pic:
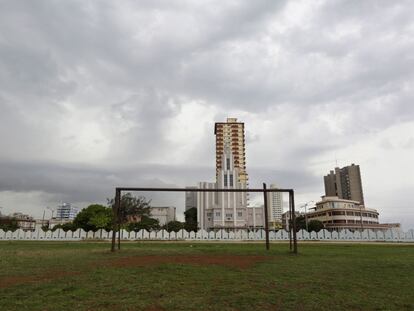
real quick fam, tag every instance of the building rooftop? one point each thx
(229, 121)
(335, 199)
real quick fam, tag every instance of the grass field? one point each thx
(205, 276)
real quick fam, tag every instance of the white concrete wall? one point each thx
(238, 235)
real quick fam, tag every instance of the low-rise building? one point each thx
(338, 214)
(24, 221)
(164, 214)
(286, 217)
(255, 217)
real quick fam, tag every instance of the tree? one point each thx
(300, 223)
(94, 217)
(65, 227)
(146, 223)
(55, 227)
(45, 228)
(9, 224)
(315, 225)
(174, 226)
(191, 219)
(131, 207)
(102, 220)
(70, 226)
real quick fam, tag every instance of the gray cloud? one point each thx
(98, 93)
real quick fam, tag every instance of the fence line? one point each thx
(391, 235)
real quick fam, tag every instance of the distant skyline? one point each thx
(98, 94)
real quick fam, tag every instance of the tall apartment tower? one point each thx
(275, 207)
(230, 134)
(345, 183)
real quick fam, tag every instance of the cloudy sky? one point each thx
(98, 94)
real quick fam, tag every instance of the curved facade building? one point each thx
(338, 214)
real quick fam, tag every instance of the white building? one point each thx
(255, 217)
(223, 209)
(66, 212)
(164, 214)
(338, 214)
(275, 207)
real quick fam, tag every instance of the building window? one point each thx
(228, 163)
(225, 180)
(231, 180)
(229, 215)
(217, 214)
(240, 214)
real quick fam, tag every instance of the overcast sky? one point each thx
(98, 94)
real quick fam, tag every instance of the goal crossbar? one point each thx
(264, 190)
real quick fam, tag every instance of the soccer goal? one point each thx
(292, 215)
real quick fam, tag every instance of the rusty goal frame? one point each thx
(292, 215)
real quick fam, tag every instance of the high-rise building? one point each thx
(66, 211)
(227, 210)
(231, 134)
(345, 183)
(275, 207)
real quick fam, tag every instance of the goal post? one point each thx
(292, 215)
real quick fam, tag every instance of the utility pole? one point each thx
(43, 218)
(52, 211)
(306, 214)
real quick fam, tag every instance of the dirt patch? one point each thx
(241, 262)
(233, 261)
(47, 277)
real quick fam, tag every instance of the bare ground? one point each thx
(232, 261)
